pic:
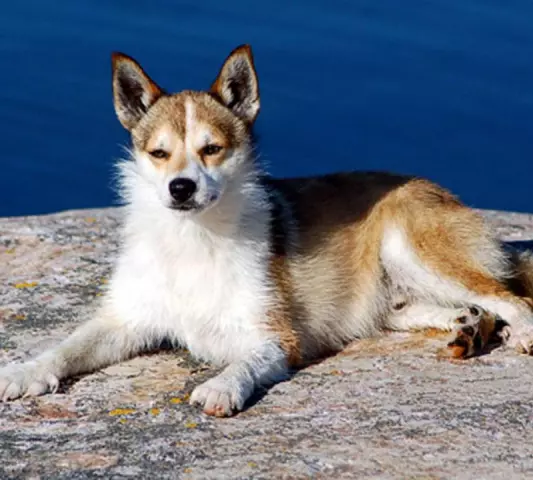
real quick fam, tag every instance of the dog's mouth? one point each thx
(186, 207)
(193, 206)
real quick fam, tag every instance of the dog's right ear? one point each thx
(133, 90)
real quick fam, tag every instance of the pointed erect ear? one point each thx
(133, 91)
(237, 84)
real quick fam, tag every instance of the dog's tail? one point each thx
(521, 282)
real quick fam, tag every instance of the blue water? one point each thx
(438, 88)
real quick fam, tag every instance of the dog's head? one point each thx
(188, 145)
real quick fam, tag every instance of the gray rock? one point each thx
(384, 408)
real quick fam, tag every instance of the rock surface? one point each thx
(383, 408)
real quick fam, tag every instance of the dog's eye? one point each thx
(211, 149)
(159, 153)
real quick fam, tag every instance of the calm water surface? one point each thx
(442, 89)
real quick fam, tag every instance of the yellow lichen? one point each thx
(20, 316)
(26, 285)
(252, 464)
(121, 411)
(10, 251)
(191, 425)
(154, 411)
(178, 400)
(187, 470)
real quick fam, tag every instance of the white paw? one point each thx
(505, 334)
(221, 396)
(28, 379)
(521, 339)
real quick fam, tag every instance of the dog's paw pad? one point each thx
(474, 329)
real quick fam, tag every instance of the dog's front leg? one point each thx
(100, 342)
(227, 393)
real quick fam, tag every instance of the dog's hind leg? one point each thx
(449, 276)
(474, 328)
(419, 316)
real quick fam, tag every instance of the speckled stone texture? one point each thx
(384, 408)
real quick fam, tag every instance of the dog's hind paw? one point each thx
(521, 339)
(26, 380)
(474, 329)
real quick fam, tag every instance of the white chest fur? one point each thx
(208, 292)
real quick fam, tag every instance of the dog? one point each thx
(259, 274)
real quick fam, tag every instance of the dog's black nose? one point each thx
(182, 189)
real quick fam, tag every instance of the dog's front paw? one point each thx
(28, 379)
(220, 396)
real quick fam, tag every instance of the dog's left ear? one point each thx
(237, 85)
(134, 92)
